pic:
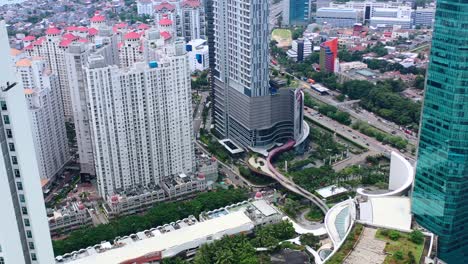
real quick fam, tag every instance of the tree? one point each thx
(310, 240)
(298, 32)
(228, 250)
(417, 237)
(271, 235)
(291, 207)
(419, 82)
(394, 235)
(398, 255)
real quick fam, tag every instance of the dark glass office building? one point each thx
(440, 195)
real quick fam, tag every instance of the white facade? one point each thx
(141, 120)
(52, 49)
(337, 17)
(24, 232)
(145, 7)
(198, 54)
(389, 17)
(42, 91)
(300, 49)
(424, 16)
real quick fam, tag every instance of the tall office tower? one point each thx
(52, 48)
(440, 195)
(24, 231)
(328, 55)
(297, 12)
(247, 110)
(141, 120)
(48, 125)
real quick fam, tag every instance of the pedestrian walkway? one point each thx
(369, 250)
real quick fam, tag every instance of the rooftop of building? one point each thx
(170, 239)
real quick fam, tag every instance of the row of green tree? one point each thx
(160, 214)
(240, 249)
(328, 110)
(385, 66)
(395, 141)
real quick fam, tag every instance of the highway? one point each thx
(370, 118)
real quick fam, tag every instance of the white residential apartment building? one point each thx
(141, 119)
(42, 92)
(52, 48)
(24, 232)
(188, 15)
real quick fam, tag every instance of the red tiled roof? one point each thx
(98, 18)
(119, 45)
(165, 21)
(70, 36)
(166, 35)
(29, 47)
(191, 3)
(165, 5)
(53, 31)
(132, 35)
(29, 38)
(65, 42)
(92, 31)
(121, 25)
(83, 40)
(143, 26)
(38, 41)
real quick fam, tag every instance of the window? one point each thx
(3, 105)
(28, 234)
(31, 245)
(33, 257)
(6, 119)
(17, 173)
(21, 198)
(2, 261)
(24, 210)
(9, 133)
(14, 160)
(11, 146)
(19, 185)
(26, 222)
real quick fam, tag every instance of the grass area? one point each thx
(281, 33)
(314, 215)
(282, 36)
(347, 245)
(399, 248)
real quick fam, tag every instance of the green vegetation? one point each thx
(241, 249)
(270, 235)
(385, 66)
(281, 33)
(347, 246)
(297, 32)
(314, 215)
(228, 250)
(335, 114)
(419, 82)
(201, 81)
(383, 137)
(158, 215)
(345, 56)
(400, 248)
(310, 240)
(213, 146)
(63, 192)
(291, 207)
(254, 177)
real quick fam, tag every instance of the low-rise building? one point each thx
(68, 218)
(389, 17)
(352, 65)
(139, 201)
(197, 51)
(208, 167)
(337, 17)
(424, 16)
(300, 49)
(180, 238)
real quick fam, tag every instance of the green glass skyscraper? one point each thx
(440, 195)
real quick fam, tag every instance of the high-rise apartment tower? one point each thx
(24, 231)
(247, 110)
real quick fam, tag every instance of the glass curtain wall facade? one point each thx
(440, 195)
(299, 12)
